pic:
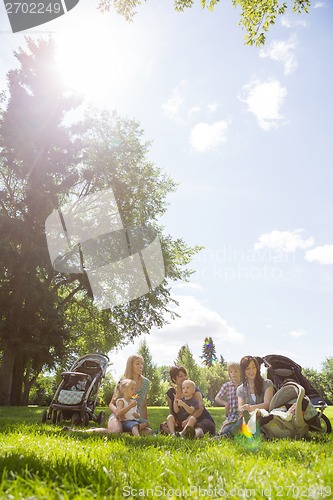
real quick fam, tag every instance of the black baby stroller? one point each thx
(280, 370)
(75, 399)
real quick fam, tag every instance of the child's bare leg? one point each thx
(135, 430)
(100, 430)
(192, 422)
(142, 426)
(171, 424)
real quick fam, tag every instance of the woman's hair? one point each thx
(174, 372)
(129, 365)
(119, 390)
(258, 380)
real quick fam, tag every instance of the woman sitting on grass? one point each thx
(177, 375)
(255, 392)
(204, 421)
(183, 410)
(134, 367)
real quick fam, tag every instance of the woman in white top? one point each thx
(255, 392)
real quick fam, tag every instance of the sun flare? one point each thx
(99, 57)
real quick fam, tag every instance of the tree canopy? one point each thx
(48, 317)
(256, 17)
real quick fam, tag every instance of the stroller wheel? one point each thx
(101, 417)
(75, 420)
(326, 425)
(44, 416)
(54, 416)
(85, 421)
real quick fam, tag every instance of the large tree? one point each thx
(256, 18)
(47, 316)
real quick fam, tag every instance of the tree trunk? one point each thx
(6, 374)
(28, 383)
(17, 383)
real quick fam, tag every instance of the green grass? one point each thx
(42, 462)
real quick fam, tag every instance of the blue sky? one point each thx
(247, 133)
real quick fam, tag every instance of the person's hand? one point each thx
(181, 403)
(135, 414)
(245, 407)
(227, 408)
(184, 423)
(118, 417)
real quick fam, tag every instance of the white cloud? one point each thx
(282, 51)
(213, 106)
(264, 100)
(196, 322)
(207, 137)
(292, 23)
(319, 5)
(284, 241)
(193, 110)
(173, 105)
(189, 286)
(322, 254)
(297, 333)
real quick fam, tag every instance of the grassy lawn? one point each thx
(39, 461)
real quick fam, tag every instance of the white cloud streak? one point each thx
(284, 241)
(173, 105)
(292, 23)
(264, 100)
(282, 51)
(322, 254)
(296, 334)
(207, 137)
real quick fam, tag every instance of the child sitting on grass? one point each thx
(183, 410)
(227, 397)
(126, 404)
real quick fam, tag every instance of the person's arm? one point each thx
(189, 409)
(144, 411)
(170, 404)
(122, 409)
(221, 402)
(114, 410)
(198, 397)
(241, 403)
(175, 404)
(261, 406)
(220, 396)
